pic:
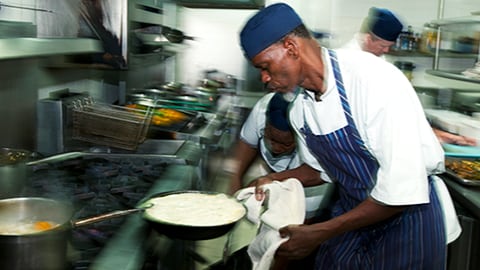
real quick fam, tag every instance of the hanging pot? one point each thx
(174, 35)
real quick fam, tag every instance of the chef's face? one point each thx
(376, 45)
(277, 67)
(279, 142)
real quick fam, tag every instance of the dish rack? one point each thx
(110, 125)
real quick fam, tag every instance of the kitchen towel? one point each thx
(283, 205)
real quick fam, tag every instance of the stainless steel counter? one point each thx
(467, 196)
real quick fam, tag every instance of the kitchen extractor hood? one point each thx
(227, 4)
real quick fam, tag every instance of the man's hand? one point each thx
(258, 184)
(299, 244)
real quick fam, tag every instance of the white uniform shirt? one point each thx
(389, 119)
(252, 133)
(354, 43)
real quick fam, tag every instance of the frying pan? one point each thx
(16, 210)
(185, 231)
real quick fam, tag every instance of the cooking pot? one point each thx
(14, 170)
(43, 249)
(46, 249)
(174, 35)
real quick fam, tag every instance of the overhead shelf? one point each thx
(456, 75)
(459, 20)
(442, 53)
(12, 48)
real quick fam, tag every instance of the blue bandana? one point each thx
(266, 27)
(277, 112)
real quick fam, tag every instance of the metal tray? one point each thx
(462, 181)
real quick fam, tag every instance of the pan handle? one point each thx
(114, 214)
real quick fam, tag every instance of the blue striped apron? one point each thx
(414, 239)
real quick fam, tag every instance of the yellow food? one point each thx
(466, 169)
(25, 227)
(42, 225)
(162, 116)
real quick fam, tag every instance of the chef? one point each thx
(267, 133)
(359, 121)
(378, 33)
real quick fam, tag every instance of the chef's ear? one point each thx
(291, 45)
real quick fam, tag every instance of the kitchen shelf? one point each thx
(459, 20)
(144, 13)
(456, 75)
(227, 4)
(12, 48)
(443, 25)
(443, 53)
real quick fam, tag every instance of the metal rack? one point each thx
(110, 125)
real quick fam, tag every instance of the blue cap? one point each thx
(266, 27)
(277, 112)
(383, 23)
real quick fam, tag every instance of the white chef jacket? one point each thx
(389, 119)
(354, 44)
(252, 133)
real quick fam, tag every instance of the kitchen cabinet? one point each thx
(456, 37)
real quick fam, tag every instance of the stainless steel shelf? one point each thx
(442, 53)
(11, 48)
(456, 75)
(459, 20)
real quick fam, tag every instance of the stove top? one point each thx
(94, 186)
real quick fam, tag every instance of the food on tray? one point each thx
(467, 169)
(195, 209)
(163, 116)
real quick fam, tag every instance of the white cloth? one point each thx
(285, 205)
(452, 225)
(390, 121)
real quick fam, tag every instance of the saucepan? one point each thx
(34, 231)
(14, 170)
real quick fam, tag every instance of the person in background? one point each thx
(267, 134)
(378, 33)
(359, 124)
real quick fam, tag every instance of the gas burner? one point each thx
(95, 186)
